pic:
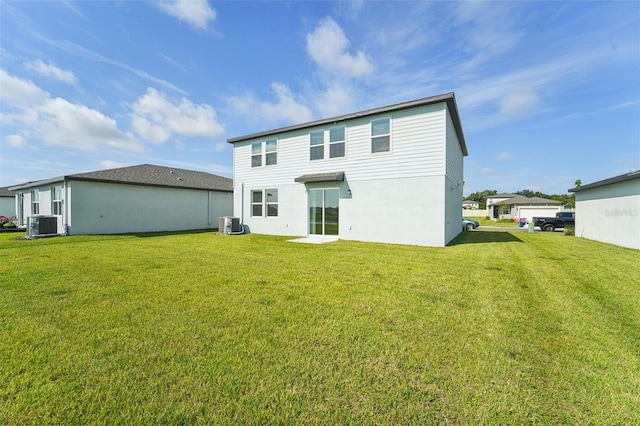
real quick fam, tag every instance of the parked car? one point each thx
(469, 224)
(560, 220)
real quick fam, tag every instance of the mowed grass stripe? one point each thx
(201, 328)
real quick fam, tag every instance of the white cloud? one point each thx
(327, 45)
(221, 146)
(16, 141)
(488, 30)
(286, 109)
(485, 171)
(110, 164)
(504, 156)
(157, 119)
(196, 13)
(58, 122)
(51, 71)
(19, 93)
(519, 103)
(335, 100)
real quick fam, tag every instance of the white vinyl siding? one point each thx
(418, 150)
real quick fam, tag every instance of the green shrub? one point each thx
(570, 230)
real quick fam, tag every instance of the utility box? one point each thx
(229, 225)
(42, 225)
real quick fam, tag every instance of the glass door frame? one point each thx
(329, 211)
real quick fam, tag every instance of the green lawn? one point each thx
(498, 328)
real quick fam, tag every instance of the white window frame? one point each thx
(380, 135)
(318, 147)
(35, 201)
(342, 142)
(273, 153)
(255, 204)
(271, 203)
(263, 153)
(256, 157)
(56, 203)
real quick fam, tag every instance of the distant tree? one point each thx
(578, 182)
(481, 197)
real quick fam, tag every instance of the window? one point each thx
(272, 202)
(272, 152)
(56, 200)
(316, 140)
(256, 203)
(380, 135)
(336, 142)
(256, 154)
(35, 202)
(270, 155)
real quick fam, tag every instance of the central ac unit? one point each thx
(229, 225)
(42, 225)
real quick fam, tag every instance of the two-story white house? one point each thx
(392, 174)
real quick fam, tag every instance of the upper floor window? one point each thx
(256, 154)
(35, 202)
(381, 135)
(336, 138)
(336, 142)
(56, 200)
(271, 155)
(267, 149)
(316, 141)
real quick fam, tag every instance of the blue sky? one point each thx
(548, 92)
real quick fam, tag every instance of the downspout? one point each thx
(208, 208)
(242, 207)
(65, 208)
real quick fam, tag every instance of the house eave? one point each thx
(448, 98)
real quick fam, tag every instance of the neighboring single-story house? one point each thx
(609, 210)
(513, 206)
(141, 198)
(392, 174)
(7, 202)
(470, 204)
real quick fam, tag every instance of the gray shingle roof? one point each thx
(635, 174)
(4, 192)
(149, 175)
(448, 98)
(521, 199)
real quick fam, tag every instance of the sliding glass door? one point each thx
(323, 211)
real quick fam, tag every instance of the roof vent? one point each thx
(180, 178)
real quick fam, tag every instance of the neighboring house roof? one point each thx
(503, 195)
(147, 175)
(4, 192)
(635, 174)
(449, 98)
(469, 202)
(521, 199)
